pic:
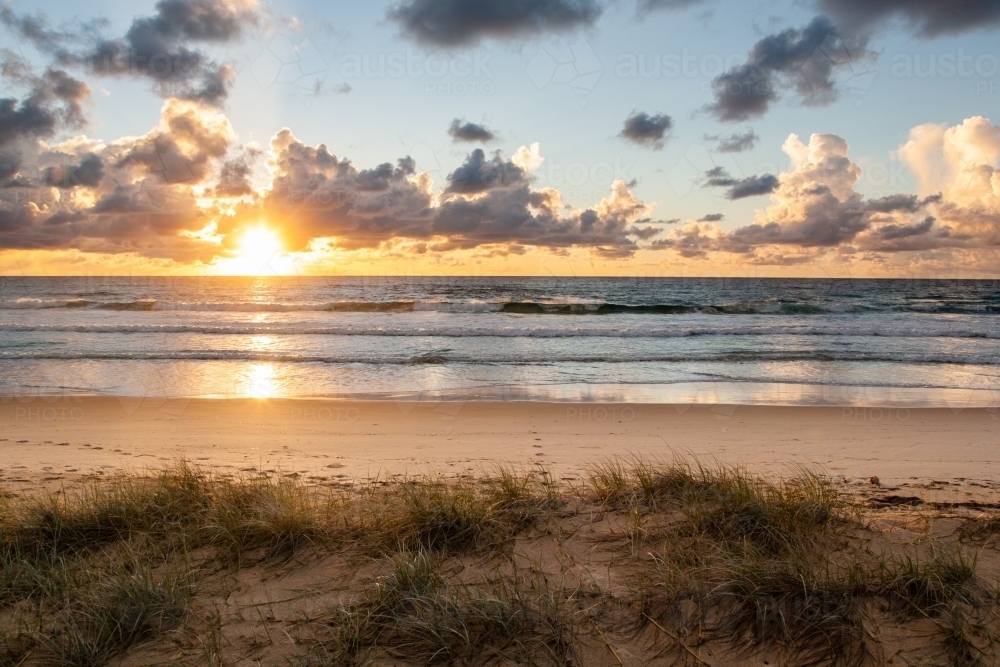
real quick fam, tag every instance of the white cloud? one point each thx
(528, 158)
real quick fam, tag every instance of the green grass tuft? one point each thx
(106, 617)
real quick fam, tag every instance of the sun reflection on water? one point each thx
(261, 382)
(260, 343)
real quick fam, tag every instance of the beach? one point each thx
(322, 532)
(947, 452)
(331, 471)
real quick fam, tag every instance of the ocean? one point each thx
(755, 341)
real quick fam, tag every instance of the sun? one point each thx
(258, 245)
(257, 250)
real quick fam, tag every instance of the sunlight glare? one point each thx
(261, 382)
(259, 244)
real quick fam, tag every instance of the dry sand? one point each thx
(948, 453)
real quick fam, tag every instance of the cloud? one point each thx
(234, 175)
(960, 162)
(452, 23)
(184, 147)
(488, 202)
(737, 142)
(155, 47)
(528, 158)
(895, 232)
(472, 132)
(740, 188)
(152, 196)
(930, 18)
(10, 163)
(646, 130)
(24, 120)
(815, 206)
(479, 174)
(803, 59)
(88, 173)
(53, 102)
(136, 195)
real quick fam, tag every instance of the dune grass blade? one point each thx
(104, 619)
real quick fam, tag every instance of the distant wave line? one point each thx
(901, 329)
(548, 358)
(553, 307)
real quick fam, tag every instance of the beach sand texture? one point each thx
(946, 451)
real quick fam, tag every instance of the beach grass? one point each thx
(677, 561)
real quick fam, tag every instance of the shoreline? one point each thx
(949, 454)
(774, 394)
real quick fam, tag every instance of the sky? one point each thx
(815, 138)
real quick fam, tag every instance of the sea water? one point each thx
(615, 339)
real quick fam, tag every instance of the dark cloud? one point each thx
(753, 186)
(26, 119)
(647, 130)
(740, 188)
(10, 163)
(737, 142)
(711, 217)
(88, 173)
(826, 222)
(154, 47)
(803, 59)
(53, 101)
(452, 23)
(479, 174)
(36, 30)
(465, 131)
(930, 17)
(234, 176)
(927, 234)
(894, 232)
